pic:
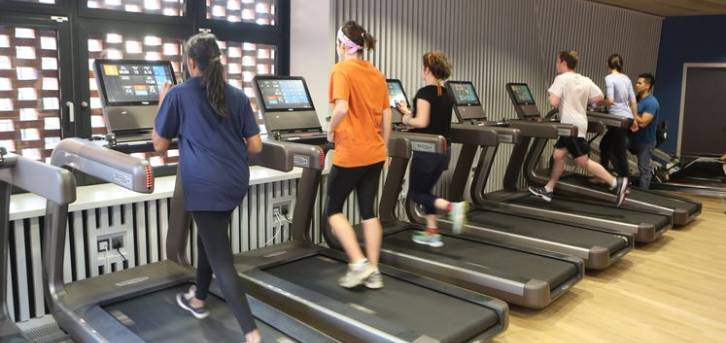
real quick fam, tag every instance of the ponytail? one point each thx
(615, 61)
(203, 49)
(358, 36)
(439, 66)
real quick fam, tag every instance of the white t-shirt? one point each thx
(619, 88)
(574, 91)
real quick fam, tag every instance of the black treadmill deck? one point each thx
(403, 305)
(549, 231)
(485, 258)
(156, 317)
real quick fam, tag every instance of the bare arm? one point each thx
(423, 114)
(161, 144)
(634, 107)
(644, 119)
(254, 144)
(555, 101)
(340, 110)
(386, 126)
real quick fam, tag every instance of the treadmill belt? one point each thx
(549, 231)
(485, 258)
(156, 317)
(402, 304)
(595, 211)
(647, 197)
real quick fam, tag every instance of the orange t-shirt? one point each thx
(358, 137)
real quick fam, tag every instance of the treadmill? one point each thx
(645, 227)
(138, 304)
(530, 278)
(576, 186)
(599, 248)
(58, 187)
(300, 277)
(697, 175)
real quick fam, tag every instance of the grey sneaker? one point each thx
(621, 190)
(458, 216)
(375, 281)
(541, 192)
(426, 238)
(184, 301)
(356, 275)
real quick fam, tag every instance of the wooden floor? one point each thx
(672, 290)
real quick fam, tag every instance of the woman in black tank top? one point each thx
(431, 114)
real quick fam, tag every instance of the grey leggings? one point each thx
(215, 256)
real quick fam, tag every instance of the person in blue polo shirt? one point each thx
(642, 138)
(217, 131)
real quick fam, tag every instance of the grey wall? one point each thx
(490, 42)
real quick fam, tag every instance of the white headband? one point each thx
(352, 46)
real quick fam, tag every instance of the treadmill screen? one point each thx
(522, 95)
(287, 94)
(396, 93)
(133, 82)
(464, 94)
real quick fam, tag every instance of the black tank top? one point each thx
(441, 110)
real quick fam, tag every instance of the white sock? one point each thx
(614, 183)
(549, 190)
(360, 264)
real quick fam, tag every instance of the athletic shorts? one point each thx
(576, 146)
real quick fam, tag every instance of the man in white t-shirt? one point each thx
(570, 93)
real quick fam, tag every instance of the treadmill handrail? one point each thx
(109, 165)
(58, 186)
(423, 142)
(475, 135)
(543, 129)
(609, 120)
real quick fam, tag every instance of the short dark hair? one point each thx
(649, 78)
(570, 57)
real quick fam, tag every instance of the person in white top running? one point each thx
(620, 100)
(570, 93)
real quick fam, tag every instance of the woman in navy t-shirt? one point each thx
(217, 131)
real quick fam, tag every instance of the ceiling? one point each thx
(671, 8)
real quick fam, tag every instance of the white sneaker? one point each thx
(458, 216)
(184, 301)
(356, 275)
(375, 281)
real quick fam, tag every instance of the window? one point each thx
(29, 92)
(261, 12)
(163, 7)
(245, 60)
(118, 46)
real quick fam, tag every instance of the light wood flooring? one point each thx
(672, 290)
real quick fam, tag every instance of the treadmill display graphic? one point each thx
(522, 95)
(284, 94)
(464, 94)
(395, 93)
(133, 82)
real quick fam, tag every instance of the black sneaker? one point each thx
(541, 192)
(621, 190)
(184, 301)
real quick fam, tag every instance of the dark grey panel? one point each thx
(704, 118)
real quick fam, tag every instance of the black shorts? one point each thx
(364, 180)
(576, 146)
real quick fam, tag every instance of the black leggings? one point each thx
(613, 147)
(342, 181)
(215, 255)
(426, 169)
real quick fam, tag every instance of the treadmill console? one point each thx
(466, 102)
(129, 91)
(396, 95)
(523, 101)
(288, 110)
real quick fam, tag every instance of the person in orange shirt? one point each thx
(359, 127)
